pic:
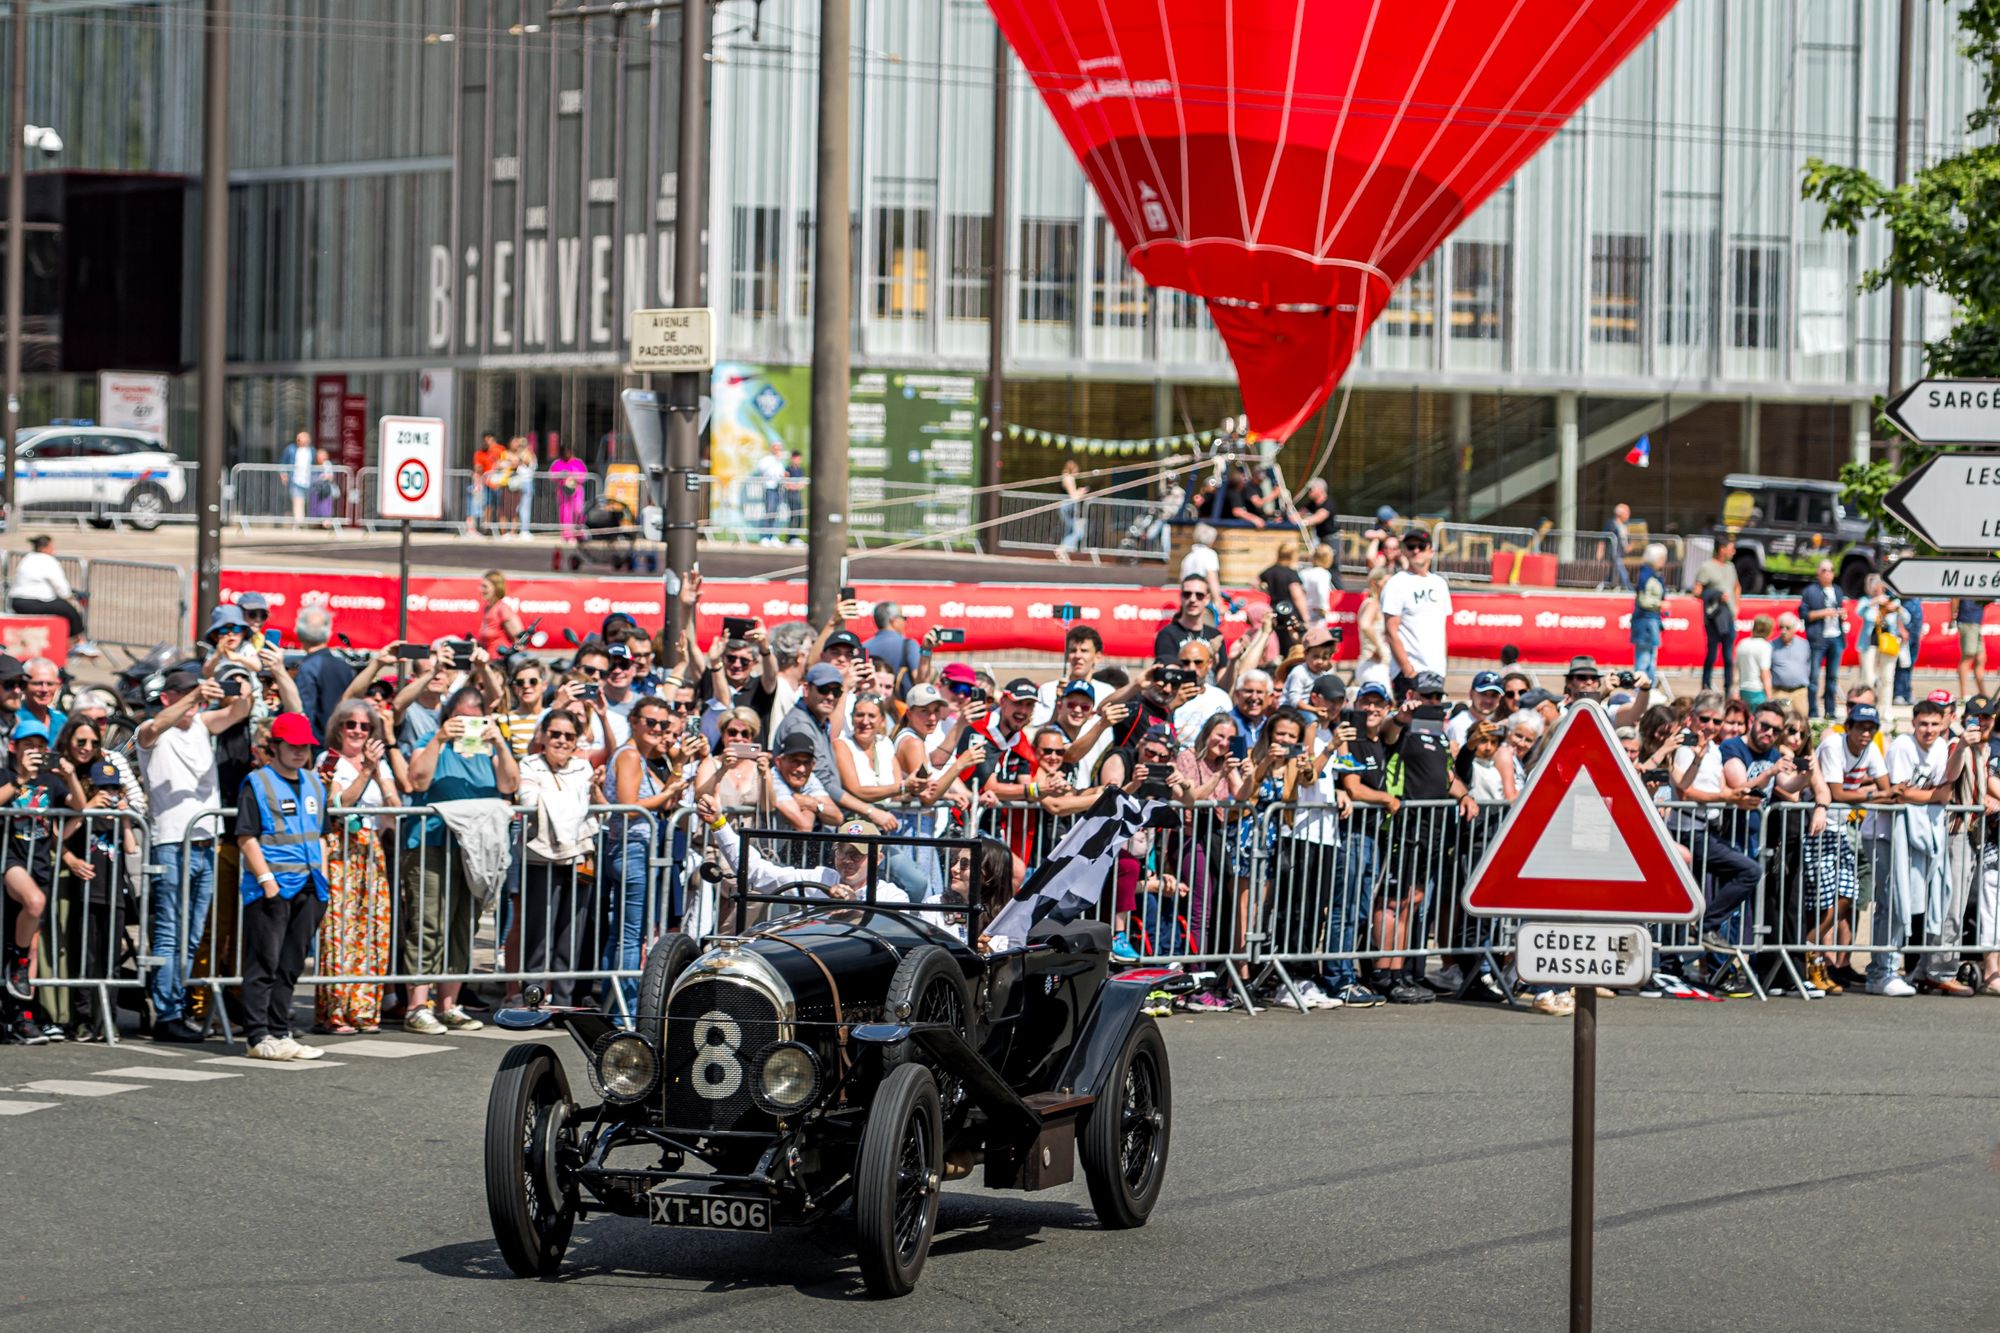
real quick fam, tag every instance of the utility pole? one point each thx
(826, 516)
(996, 293)
(1905, 38)
(17, 244)
(214, 305)
(683, 409)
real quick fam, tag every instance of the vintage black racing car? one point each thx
(843, 1050)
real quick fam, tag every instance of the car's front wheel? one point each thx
(530, 1191)
(897, 1175)
(1125, 1133)
(145, 507)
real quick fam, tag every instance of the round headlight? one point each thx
(787, 1079)
(624, 1068)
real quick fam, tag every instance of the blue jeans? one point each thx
(625, 921)
(1354, 890)
(174, 940)
(1825, 656)
(1645, 661)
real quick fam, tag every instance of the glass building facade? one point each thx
(424, 185)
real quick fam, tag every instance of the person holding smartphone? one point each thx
(739, 774)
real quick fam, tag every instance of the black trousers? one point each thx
(277, 935)
(33, 606)
(557, 905)
(1720, 647)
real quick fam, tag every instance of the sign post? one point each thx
(1583, 860)
(410, 481)
(1952, 502)
(1948, 412)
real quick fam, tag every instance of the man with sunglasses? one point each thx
(745, 675)
(813, 717)
(1189, 622)
(1584, 681)
(1416, 605)
(1696, 772)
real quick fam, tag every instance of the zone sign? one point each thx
(410, 469)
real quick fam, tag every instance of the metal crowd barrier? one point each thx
(540, 510)
(261, 493)
(84, 951)
(126, 603)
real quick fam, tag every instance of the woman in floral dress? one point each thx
(354, 936)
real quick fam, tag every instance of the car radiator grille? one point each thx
(715, 1030)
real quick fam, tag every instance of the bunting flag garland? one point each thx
(1085, 444)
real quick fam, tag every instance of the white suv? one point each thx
(98, 471)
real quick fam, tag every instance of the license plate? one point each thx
(711, 1212)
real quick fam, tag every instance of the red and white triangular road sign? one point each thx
(1584, 843)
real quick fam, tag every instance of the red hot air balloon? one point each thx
(1293, 160)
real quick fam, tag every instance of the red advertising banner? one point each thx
(35, 636)
(329, 392)
(1001, 617)
(353, 451)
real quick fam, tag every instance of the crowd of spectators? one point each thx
(1331, 815)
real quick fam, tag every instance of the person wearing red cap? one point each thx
(280, 830)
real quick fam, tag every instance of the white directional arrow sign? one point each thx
(1944, 578)
(1952, 502)
(1949, 411)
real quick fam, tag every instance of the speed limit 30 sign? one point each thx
(410, 473)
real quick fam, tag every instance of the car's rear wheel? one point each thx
(530, 1191)
(897, 1175)
(1125, 1134)
(670, 956)
(1854, 578)
(145, 507)
(1750, 575)
(929, 987)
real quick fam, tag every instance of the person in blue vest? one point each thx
(280, 830)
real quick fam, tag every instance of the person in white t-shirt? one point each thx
(1919, 878)
(1416, 605)
(1201, 557)
(1081, 648)
(1696, 771)
(1848, 768)
(40, 588)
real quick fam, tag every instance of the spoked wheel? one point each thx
(530, 1192)
(898, 1173)
(928, 987)
(121, 737)
(1124, 1140)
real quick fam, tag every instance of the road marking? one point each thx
(131, 1047)
(245, 1062)
(497, 1034)
(22, 1108)
(382, 1049)
(166, 1075)
(76, 1087)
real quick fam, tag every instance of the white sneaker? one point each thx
(1890, 985)
(1316, 998)
(85, 648)
(458, 1020)
(421, 1019)
(1283, 1000)
(271, 1048)
(298, 1050)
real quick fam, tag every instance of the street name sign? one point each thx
(1948, 411)
(1919, 576)
(1584, 842)
(1952, 502)
(1564, 953)
(673, 340)
(410, 469)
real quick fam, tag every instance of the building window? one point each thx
(902, 263)
(1182, 310)
(1480, 292)
(968, 242)
(1412, 308)
(1117, 294)
(1048, 271)
(1684, 286)
(753, 261)
(1756, 293)
(1617, 287)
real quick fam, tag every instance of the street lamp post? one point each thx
(17, 241)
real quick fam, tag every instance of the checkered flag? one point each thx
(1071, 879)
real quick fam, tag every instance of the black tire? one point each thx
(670, 956)
(1750, 575)
(1125, 1135)
(897, 1174)
(532, 1207)
(928, 987)
(145, 506)
(1853, 578)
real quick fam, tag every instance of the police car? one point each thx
(98, 471)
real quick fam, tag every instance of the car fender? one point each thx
(587, 1026)
(1119, 1005)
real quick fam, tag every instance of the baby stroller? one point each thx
(608, 537)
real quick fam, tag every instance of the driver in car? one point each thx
(846, 880)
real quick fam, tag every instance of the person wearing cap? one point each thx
(846, 880)
(1082, 646)
(177, 756)
(1483, 704)
(1087, 724)
(1848, 769)
(280, 831)
(814, 716)
(1583, 680)
(801, 798)
(228, 634)
(40, 588)
(1007, 730)
(1316, 662)
(1416, 608)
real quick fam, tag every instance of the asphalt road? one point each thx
(1761, 1166)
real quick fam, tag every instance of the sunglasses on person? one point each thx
(739, 660)
(960, 688)
(650, 723)
(357, 725)
(567, 737)
(593, 672)
(1046, 751)
(256, 617)
(681, 705)
(1515, 694)
(1193, 595)
(831, 691)
(1432, 696)
(1761, 725)
(738, 734)
(1712, 719)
